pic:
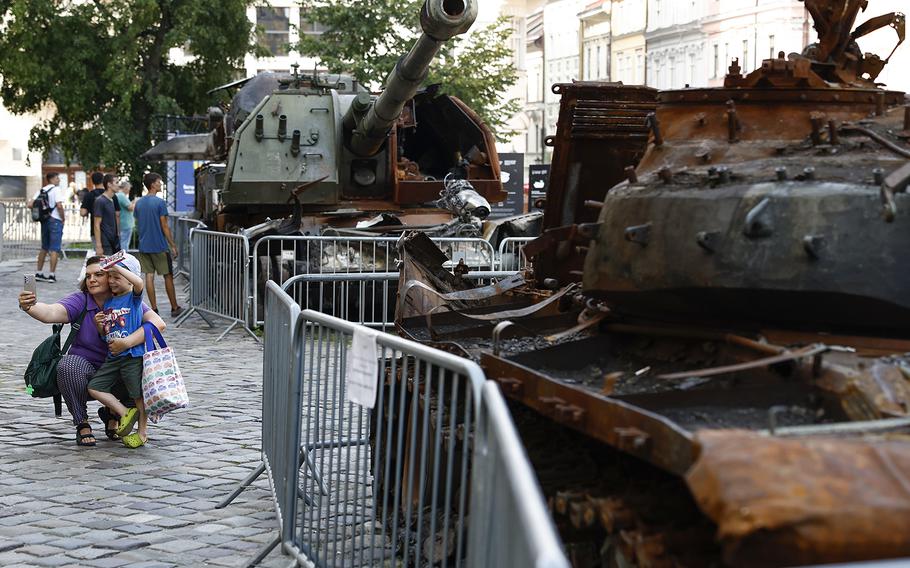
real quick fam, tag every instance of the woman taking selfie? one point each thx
(88, 350)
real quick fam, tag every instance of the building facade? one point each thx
(675, 43)
(628, 50)
(596, 36)
(20, 170)
(281, 25)
(751, 32)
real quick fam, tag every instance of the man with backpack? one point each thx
(47, 208)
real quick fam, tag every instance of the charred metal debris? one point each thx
(708, 356)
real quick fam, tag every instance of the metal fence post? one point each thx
(219, 279)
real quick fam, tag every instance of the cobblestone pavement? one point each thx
(109, 506)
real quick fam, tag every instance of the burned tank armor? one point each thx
(765, 204)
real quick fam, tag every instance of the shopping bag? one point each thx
(163, 389)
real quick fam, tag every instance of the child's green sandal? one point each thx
(133, 441)
(127, 422)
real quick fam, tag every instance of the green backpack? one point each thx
(41, 373)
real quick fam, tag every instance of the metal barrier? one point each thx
(280, 399)
(362, 298)
(511, 253)
(391, 478)
(181, 228)
(22, 237)
(2, 225)
(219, 279)
(389, 484)
(509, 521)
(281, 258)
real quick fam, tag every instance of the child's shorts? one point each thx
(127, 369)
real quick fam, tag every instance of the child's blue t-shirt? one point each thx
(123, 316)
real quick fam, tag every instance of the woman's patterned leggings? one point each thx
(73, 375)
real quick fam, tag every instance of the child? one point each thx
(121, 325)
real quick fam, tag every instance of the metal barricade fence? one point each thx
(511, 253)
(219, 279)
(181, 229)
(389, 485)
(387, 481)
(281, 258)
(509, 525)
(280, 399)
(362, 298)
(22, 236)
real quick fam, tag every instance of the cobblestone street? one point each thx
(109, 506)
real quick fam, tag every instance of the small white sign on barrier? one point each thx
(288, 255)
(362, 368)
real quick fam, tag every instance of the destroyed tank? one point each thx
(325, 150)
(708, 360)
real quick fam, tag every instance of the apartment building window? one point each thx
(691, 69)
(673, 73)
(745, 64)
(716, 61)
(771, 55)
(726, 56)
(275, 24)
(588, 63)
(17, 154)
(310, 28)
(639, 67)
(598, 62)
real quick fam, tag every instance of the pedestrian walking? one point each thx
(88, 203)
(156, 245)
(51, 216)
(126, 214)
(106, 220)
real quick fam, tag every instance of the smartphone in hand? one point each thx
(29, 284)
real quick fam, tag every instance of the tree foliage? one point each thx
(365, 38)
(99, 71)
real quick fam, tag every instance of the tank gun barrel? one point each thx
(441, 20)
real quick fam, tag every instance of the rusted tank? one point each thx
(710, 356)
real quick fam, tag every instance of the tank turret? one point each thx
(324, 148)
(777, 200)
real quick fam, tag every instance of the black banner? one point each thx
(512, 167)
(539, 181)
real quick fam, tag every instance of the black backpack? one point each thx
(41, 207)
(41, 373)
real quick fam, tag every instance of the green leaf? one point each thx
(100, 71)
(365, 38)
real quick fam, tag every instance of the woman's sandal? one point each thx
(81, 438)
(104, 413)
